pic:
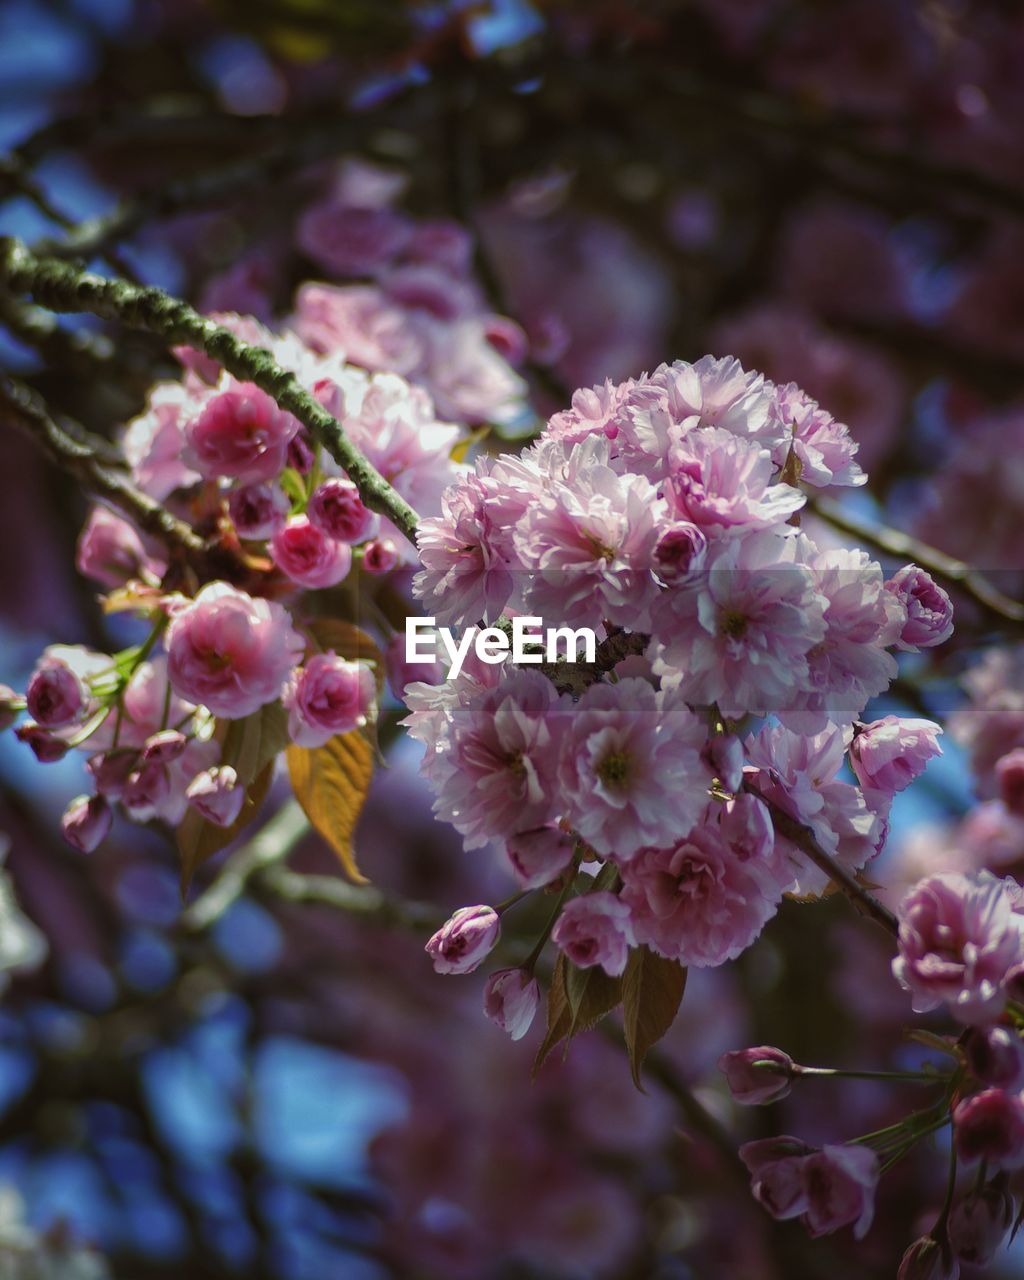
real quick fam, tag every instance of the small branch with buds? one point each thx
(63, 287)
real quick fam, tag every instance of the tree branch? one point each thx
(63, 287)
(943, 567)
(807, 842)
(21, 406)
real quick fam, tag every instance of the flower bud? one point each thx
(996, 1056)
(86, 822)
(926, 1259)
(215, 793)
(144, 792)
(110, 550)
(380, 556)
(511, 997)
(163, 747)
(337, 510)
(680, 552)
(463, 943)
(888, 754)
(757, 1076)
(300, 455)
(979, 1223)
(990, 1126)
(45, 747)
(539, 856)
(1010, 780)
(777, 1174)
(110, 771)
(55, 695)
(257, 510)
(929, 610)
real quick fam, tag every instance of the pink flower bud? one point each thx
(300, 454)
(680, 553)
(308, 556)
(86, 822)
(841, 1182)
(380, 556)
(55, 695)
(463, 943)
(145, 791)
(888, 754)
(163, 747)
(979, 1223)
(337, 510)
(929, 610)
(757, 1076)
(215, 793)
(1010, 780)
(595, 929)
(45, 747)
(776, 1169)
(111, 771)
(539, 856)
(990, 1126)
(926, 1259)
(257, 511)
(327, 696)
(511, 997)
(10, 706)
(996, 1056)
(111, 552)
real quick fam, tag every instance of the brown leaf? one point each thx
(330, 783)
(577, 1000)
(652, 990)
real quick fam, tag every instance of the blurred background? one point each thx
(832, 191)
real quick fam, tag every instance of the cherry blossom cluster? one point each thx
(223, 454)
(417, 310)
(667, 509)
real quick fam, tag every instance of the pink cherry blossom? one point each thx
(500, 767)
(696, 901)
(110, 551)
(594, 929)
(239, 433)
(327, 696)
(337, 510)
(740, 634)
(308, 556)
(959, 936)
(257, 511)
(56, 695)
(230, 652)
(539, 856)
(888, 754)
(631, 773)
(720, 482)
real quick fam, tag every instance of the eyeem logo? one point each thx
(524, 640)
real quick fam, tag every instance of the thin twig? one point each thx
(943, 567)
(61, 286)
(799, 834)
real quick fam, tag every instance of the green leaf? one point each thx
(253, 743)
(577, 1000)
(652, 991)
(330, 783)
(462, 447)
